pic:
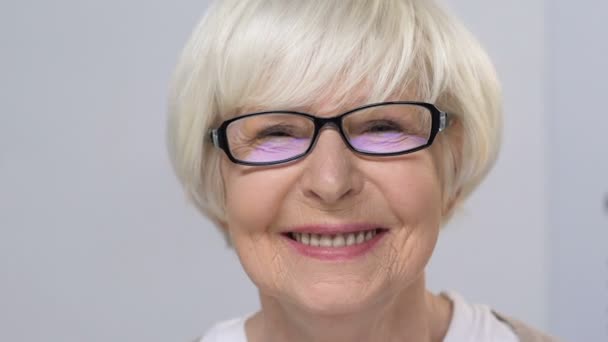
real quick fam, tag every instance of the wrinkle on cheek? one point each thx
(388, 265)
(395, 250)
(404, 254)
(277, 267)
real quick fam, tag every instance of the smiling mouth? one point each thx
(335, 240)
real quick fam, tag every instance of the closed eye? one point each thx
(381, 126)
(276, 131)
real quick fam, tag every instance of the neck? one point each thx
(414, 314)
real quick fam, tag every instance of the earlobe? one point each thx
(223, 226)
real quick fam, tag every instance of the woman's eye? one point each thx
(275, 132)
(380, 127)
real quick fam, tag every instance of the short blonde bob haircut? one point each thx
(282, 54)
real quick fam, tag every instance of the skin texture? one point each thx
(380, 296)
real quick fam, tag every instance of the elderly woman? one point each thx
(330, 140)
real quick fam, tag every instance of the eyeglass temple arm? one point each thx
(213, 136)
(444, 121)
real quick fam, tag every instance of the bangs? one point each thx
(299, 54)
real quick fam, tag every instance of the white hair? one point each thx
(277, 54)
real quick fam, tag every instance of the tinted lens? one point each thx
(388, 129)
(269, 138)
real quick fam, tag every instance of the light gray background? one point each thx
(96, 240)
(577, 150)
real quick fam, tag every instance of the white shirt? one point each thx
(470, 323)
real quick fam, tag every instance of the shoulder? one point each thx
(226, 331)
(525, 332)
(475, 322)
(478, 322)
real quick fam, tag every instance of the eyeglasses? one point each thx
(380, 129)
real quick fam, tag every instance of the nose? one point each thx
(331, 176)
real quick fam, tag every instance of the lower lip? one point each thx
(336, 253)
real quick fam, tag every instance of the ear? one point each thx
(223, 226)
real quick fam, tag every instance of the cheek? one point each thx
(254, 198)
(412, 193)
(412, 190)
(253, 201)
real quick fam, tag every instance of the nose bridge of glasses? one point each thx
(329, 123)
(323, 122)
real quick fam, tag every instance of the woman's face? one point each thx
(334, 188)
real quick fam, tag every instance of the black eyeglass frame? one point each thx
(440, 121)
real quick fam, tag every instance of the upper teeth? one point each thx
(335, 240)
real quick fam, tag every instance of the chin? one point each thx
(335, 298)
